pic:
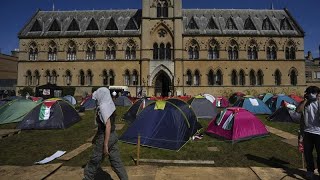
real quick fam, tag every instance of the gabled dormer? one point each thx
(132, 25)
(248, 24)
(230, 24)
(112, 25)
(92, 26)
(192, 24)
(267, 25)
(55, 26)
(36, 26)
(212, 24)
(285, 24)
(74, 26)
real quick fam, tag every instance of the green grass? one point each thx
(284, 126)
(30, 146)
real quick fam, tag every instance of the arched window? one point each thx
(219, 78)
(81, 78)
(277, 77)
(162, 51)
(267, 25)
(234, 78)
(271, 50)
(89, 77)
(196, 78)
(91, 51)
(130, 50)
(168, 51)
(127, 78)
(72, 51)
(28, 78)
(112, 77)
(189, 78)
(68, 77)
(193, 50)
(242, 78)
(260, 78)
(233, 50)
(52, 53)
(155, 51)
(213, 52)
(290, 51)
(36, 78)
(111, 51)
(135, 78)
(105, 77)
(48, 76)
(162, 8)
(252, 51)
(253, 79)
(211, 78)
(293, 77)
(54, 77)
(33, 52)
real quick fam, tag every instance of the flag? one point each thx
(45, 110)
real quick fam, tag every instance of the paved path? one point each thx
(287, 137)
(149, 172)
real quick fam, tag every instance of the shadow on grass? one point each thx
(277, 163)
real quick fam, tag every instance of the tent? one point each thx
(122, 101)
(285, 114)
(221, 102)
(88, 103)
(164, 125)
(135, 109)
(298, 99)
(235, 97)
(49, 91)
(70, 99)
(236, 124)
(203, 107)
(209, 97)
(266, 97)
(50, 114)
(14, 111)
(254, 105)
(274, 103)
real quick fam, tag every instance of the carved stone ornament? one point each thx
(162, 33)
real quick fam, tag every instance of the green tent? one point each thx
(15, 110)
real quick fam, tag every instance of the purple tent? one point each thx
(236, 124)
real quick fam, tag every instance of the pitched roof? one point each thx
(203, 19)
(83, 18)
(239, 16)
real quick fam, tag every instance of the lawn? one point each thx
(30, 146)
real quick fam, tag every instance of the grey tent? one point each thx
(285, 114)
(122, 101)
(203, 107)
(50, 114)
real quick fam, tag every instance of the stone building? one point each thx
(8, 73)
(164, 49)
(312, 70)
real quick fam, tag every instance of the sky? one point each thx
(14, 14)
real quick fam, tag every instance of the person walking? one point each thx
(105, 140)
(310, 128)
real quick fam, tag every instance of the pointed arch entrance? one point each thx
(162, 84)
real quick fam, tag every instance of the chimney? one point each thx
(309, 56)
(15, 53)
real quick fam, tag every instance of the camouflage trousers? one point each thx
(114, 157)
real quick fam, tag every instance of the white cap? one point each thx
(114, 93)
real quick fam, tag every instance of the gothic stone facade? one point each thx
(164, 49)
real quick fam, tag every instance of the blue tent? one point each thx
(266, 97)
(88, 103)
(70, 99)
(254, 105)
(164, 125)
(274, 103)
